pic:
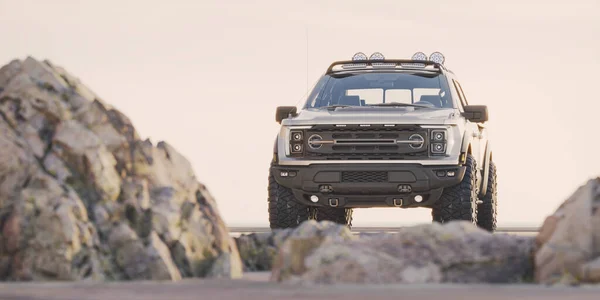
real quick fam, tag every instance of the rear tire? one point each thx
(338, 215)
(284, 210)
(459, 202)
(487, 210)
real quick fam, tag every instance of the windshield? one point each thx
(381, 89)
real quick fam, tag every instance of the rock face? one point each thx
(456, 252)
(258, 250)
(82, 196)
(569, 240)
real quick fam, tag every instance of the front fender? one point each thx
(466, 142)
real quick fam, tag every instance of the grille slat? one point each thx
(364, 176)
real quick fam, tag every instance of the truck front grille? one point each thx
(364, 176)
(375, 142)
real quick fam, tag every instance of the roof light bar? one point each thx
(419, 60)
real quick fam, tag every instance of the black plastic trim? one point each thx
(422, 179)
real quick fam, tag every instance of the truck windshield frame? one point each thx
(375, 88)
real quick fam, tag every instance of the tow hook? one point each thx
(333, 202)
(398, 202)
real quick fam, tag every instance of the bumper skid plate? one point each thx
(373, 185)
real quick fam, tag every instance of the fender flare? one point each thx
(486, 169)
(275, 159)
(466, 143)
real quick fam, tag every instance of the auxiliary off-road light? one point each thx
(437, 57)
(419, 56)
(359, 56)
(418, 198)
(288, 173)
(314, 198)
(377, 56)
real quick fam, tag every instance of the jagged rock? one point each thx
(258, 250)
(456, 252)
(83, 197)
(569, 240)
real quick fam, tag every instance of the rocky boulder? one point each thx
(258, 250)
(457, 252)
(569, 240)
(82, 196)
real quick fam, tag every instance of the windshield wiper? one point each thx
(396, 104)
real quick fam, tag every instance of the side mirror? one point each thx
(283, 112)
(476, 113)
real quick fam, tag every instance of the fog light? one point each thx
(418, 198)
(284, 174)
(440, 173)
(450, 173)
(314, 198)
(292, 173)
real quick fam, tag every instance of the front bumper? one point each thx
(367, 185)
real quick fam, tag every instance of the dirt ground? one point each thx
(256, 287)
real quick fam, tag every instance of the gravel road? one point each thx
(255, 287)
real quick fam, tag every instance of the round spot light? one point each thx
(419, 56)
(359, 56)
(437, 57)
(377, 56)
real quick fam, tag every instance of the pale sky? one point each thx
(206, 76)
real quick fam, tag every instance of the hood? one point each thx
(375, 115)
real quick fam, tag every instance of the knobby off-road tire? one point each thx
(487, 210)
(284, 210)
(338, 215)
(460, 201)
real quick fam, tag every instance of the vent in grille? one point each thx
(364, 176)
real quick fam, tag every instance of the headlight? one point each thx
(296, 143)
(438, 148)
(297, 136)
(438, 138)
(438, 135)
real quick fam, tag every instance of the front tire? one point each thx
(338, 215)
(487, 210)
(284, 210)
(460, 201)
